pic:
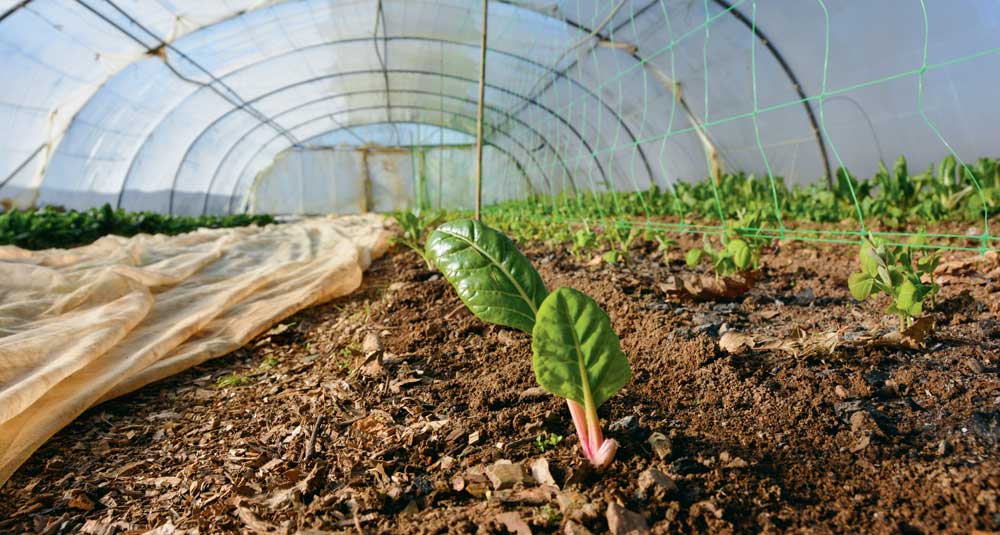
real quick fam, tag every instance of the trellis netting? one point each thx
(216, 107)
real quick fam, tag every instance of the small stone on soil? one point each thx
(621, 521)
(661, 445)
(504, 474)
(540, 472)
(574, 528)
(628, 424)
(514, 523)
(655, 484)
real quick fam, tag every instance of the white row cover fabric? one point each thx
(80, 326)
(178, 106)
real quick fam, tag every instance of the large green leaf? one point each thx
(492, 278)
(575, 350)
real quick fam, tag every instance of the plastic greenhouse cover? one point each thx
(179, 106)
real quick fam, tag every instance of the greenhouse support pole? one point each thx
(479, 115)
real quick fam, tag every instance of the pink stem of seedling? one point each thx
(596, 449)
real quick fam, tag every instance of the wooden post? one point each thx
(479, 115)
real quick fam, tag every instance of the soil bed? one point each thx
(296, 434)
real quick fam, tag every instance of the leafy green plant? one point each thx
(893, 270)
(575, 352)
(547, 441)
(414, 226)
(584, 241)
(55, 227)
(620, 243)
(740, 252)
(232, 380)
(577, 356)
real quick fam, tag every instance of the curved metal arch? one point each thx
(365, 108)
(498, 148)
(329, 97)
(530, 101)
(796, 85)
(572, 129)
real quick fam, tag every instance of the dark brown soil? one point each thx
(309, 441)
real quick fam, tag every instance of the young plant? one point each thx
(577, 356)
(547, 441)
(891, 270)
(414, 226)
(575, 352)
(619, 243)
(740, 252)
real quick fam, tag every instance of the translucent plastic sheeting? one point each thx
(83, 325)
(178, 106)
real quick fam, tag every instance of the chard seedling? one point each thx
(891, 270)
(575, 353)
(577, 356)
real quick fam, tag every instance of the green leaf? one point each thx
(869, 260)
(492, 278)
(860, 285)
(693, 257)
(906, 297)
(740, 252)
(575, 350)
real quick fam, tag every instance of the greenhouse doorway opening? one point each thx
(374, 168)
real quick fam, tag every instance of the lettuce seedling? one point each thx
(891, 270)
(575, 353)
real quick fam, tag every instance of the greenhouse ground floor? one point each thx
(394, 410)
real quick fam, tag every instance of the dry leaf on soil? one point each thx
(804, 345)
(914, 337)
(709, 288)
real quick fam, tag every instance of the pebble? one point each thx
(655, 484)
(621, 521)
(628, 424)
(504, 474)
(540, 472)
(514, 523)
(661, 445)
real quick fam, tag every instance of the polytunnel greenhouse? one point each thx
(499, 266)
